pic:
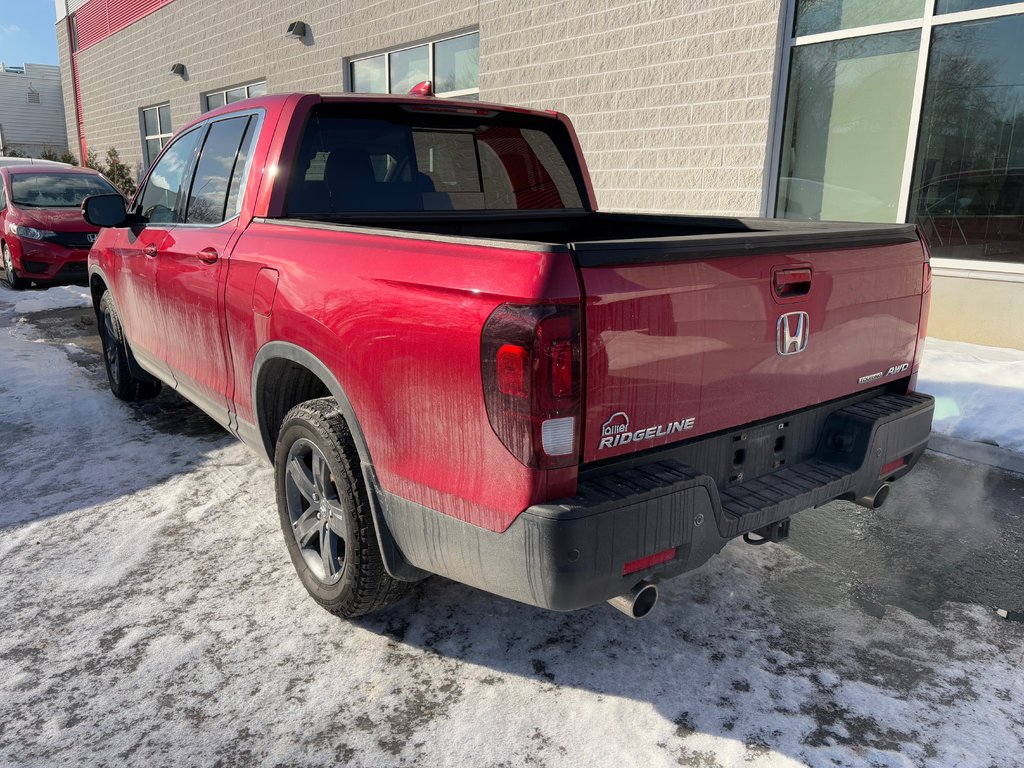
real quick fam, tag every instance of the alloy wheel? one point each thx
(319, 523)
(8, 266)
(110, 343)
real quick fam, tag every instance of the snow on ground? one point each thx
(37, 300)
(979, 391)
(151, 616)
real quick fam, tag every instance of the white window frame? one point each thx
(925, 24)
(205, 98)
(430, 43)
(164, 132)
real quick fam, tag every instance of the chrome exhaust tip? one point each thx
(638, 602)
(877, 499)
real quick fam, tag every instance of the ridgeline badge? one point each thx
(616, 431)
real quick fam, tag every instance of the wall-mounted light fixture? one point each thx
(178, 69)
(297, 29)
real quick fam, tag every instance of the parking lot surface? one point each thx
(151, 616)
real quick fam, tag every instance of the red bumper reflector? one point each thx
(647, 562)
(892, 466)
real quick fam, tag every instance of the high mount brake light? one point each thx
(531, 365)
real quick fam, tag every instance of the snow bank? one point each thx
(58, 297)
(979, 391)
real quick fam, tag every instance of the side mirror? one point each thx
(105, 211)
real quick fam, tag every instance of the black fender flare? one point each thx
(394, 561)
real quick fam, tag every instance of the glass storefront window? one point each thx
(967, 193)
(845, 131)
(816, 16)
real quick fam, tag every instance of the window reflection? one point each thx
(814, 16)
(846, 125)
(968, 190)
(955, 6)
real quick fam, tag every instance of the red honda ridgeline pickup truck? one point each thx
(459, 366)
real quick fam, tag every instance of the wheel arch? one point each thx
(98, 285)
(285, 374)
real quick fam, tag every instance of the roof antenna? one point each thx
(426, 88)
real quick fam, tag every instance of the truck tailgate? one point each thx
(681, 344)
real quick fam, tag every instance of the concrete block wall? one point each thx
(671, 98)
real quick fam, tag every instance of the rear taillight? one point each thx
(530, 358)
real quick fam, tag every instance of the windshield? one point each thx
(56, 190)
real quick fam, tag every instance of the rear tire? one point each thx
(125, 385)
(325, 513)
(10, 276)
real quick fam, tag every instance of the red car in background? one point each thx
(43, 238)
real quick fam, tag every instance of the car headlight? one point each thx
(31, 232)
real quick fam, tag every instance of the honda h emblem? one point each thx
(91, 237)
(792, 332)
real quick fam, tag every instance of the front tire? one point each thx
(123, 383)
(325, 513)
(10, 276)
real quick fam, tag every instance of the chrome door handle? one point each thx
(208, 255)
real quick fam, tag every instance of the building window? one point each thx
(231, 95)
(451, 63)
(156, 130)
(898, 111)
(967, 190)
(847, 117)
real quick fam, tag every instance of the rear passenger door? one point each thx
(192, 266)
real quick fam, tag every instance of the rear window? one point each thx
(56, 190)
(399, 161)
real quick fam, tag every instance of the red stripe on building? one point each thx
(99, 19)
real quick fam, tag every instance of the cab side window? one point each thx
(214, 193)
(3, 195)
(159, 201)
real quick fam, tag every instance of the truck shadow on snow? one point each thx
(760, 648)
(66, 443)
(715, 660)
(793, 649)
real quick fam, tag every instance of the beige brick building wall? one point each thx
(672, 100)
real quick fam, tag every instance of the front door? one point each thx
(192, 267)
(139, 249)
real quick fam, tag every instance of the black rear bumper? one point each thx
(571, 553)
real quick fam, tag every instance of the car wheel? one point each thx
(10, 276)
(325, 513)
(123, 383)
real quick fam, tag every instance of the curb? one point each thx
(979, 453)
